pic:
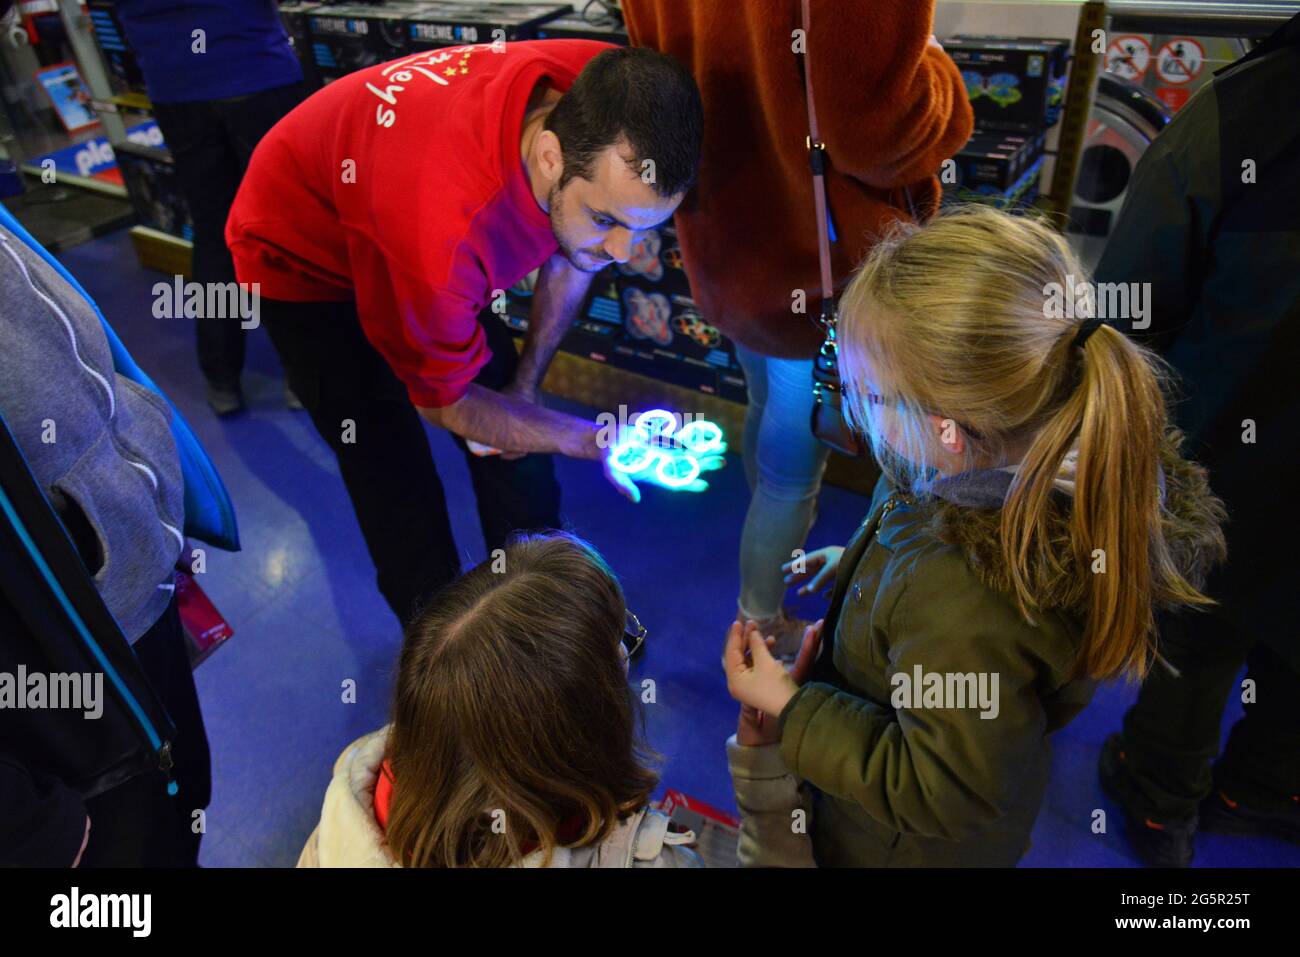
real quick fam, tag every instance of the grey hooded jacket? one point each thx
(99, 444)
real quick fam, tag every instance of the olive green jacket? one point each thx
(906, 781)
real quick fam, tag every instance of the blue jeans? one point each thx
(783, 465)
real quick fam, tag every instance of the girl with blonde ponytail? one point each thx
(1032, 514)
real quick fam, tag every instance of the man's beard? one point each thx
(580, 258)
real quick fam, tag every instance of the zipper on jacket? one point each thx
(165, 765)
(895, 499)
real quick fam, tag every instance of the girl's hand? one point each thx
(760, 682)
(819, 569)
(753, 727)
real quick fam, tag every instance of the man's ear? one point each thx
(550, 157)
(949, 434)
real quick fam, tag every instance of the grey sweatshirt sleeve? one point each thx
(775, 814)
(99, 444)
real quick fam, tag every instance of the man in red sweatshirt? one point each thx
(382, 215)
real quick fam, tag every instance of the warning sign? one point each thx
(1174, 97)
(1128, 57)
(1180, 60)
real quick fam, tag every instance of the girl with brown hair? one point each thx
(514, 739)
(1033, 512)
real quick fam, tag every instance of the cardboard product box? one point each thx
(717, 833)
(607, 30)
(124, 74)
(205, 628)
(1015, 84)
(294, 16)
(998, 168)
(992, 163)
(640, 317)
(149, 173)
(662, 321)
(446, 23)
(351, 37)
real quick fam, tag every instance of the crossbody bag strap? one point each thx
(817, 160)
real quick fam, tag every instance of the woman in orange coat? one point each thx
(891, 107)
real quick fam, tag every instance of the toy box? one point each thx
(205, 628)
(348, 37)
(454, 23)
(717, 833)
(640, 316)
(606, 29)
(124, 74)
(149, 173)
(1015, 84)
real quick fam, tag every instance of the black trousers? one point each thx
(137, 823)
(385, 459)
(212, 142)
(1171, 734)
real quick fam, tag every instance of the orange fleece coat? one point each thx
(891, 109)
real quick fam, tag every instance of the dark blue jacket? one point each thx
(244, 48)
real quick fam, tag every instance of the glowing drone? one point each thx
(655, 450)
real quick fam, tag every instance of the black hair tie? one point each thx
(1087, 328)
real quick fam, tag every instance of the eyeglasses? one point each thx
(873, 398)
(633, 635)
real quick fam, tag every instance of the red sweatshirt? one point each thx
(401, 186)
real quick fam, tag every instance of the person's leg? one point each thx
(208, 172)
(1171, 734)
(362, 411)
(1158, 768)
(1260, 767)
(247, 119)
(137, 823)
(515, 494)
(790, 462)
(755, 367)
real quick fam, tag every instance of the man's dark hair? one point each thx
(641, 96)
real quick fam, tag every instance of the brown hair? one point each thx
(512, 708)
(952, 319)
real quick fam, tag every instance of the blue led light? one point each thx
(700, 436)
(655, 450)
(677, 473)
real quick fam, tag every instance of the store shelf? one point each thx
(161, 251)
(115, 190)
(132, 101)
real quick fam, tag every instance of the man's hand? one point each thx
(621, 481)
(505, 421)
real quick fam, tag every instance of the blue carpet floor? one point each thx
(307, 615)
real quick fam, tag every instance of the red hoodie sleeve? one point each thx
(900, 106)
(429, 335)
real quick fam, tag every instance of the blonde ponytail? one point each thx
(950, 319)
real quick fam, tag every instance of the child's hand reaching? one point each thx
(816, 570)
(760, 682)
